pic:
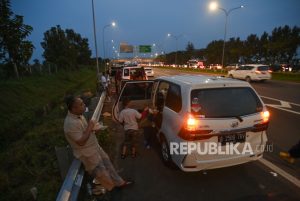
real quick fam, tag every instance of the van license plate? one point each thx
(232, 138)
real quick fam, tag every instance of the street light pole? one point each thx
(106, 26)
(95, 39)
(176, 38)
(214, 6)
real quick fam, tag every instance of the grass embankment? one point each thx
(280, 76)
(291, 77)
(32, 114)
(205, 71)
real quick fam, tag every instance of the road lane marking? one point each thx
(279, 108)
(279, 100)
(284, 105)
(281, 172)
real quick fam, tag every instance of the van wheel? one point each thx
(231, 76)
(165, 153)
(248, 79)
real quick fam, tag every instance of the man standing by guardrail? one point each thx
(81, 136)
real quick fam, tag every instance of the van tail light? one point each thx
(191, 123)
(270, 71)
(190, 130)
(257, 72)
(265, 115)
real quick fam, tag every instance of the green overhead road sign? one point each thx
(145, 48)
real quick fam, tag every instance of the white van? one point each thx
(133, 73)
(251, 72)
(202, 110)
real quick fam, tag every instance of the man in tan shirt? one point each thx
(81, 136)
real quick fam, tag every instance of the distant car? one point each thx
(215, 66)
(193, 63)
(149, 71)
(251, 72)
(286, 67)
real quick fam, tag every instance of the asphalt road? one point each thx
(251, 181)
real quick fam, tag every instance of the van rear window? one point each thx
(126, 72)
(137, 91)
(225, 102)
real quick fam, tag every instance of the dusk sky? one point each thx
(141, 22)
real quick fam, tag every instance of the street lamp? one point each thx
(113, 24)
(176, 38)
(95, 39)
(214, 6)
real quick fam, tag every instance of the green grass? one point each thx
(29, 137)
(292, 77)
(205, 71)
(24, 101)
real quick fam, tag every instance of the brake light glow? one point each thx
(257, 72)
(191, 123)
(191, 132)
(265, 115)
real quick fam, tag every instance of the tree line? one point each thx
(63, 49)
(15, 50)
(278, 47)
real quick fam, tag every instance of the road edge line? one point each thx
(281, 172)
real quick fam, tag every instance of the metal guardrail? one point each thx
(72, 183)
(70, 189)
(99, 107)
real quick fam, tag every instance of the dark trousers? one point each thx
(149, 133)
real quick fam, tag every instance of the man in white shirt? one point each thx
(81, 136)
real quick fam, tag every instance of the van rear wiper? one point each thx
(239, 118)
